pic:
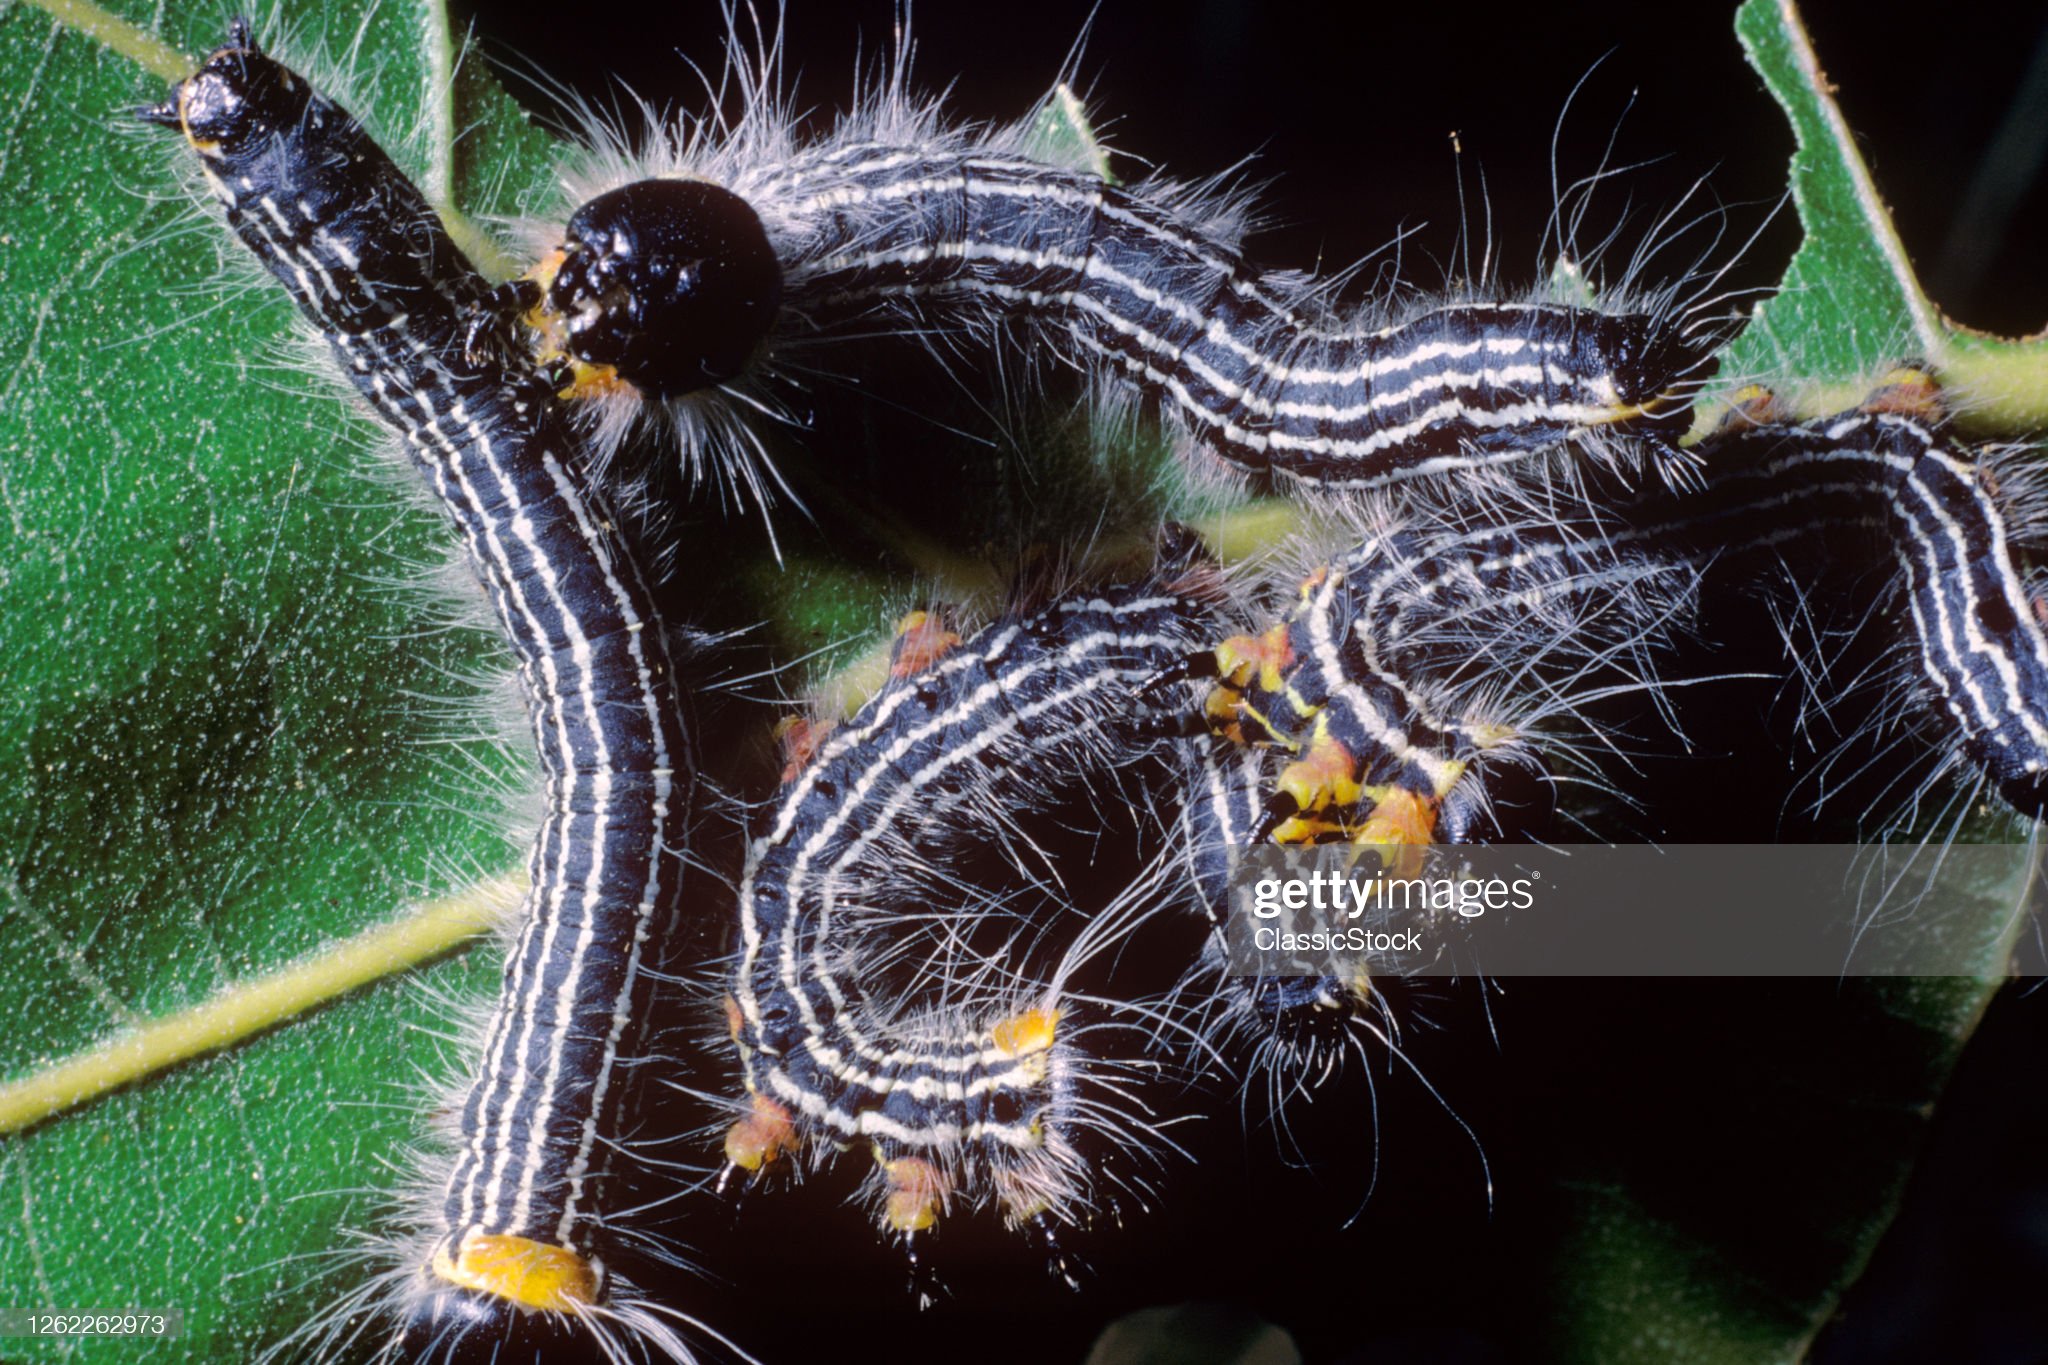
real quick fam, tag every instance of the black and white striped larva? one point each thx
(1880, 506)
(863, 1018)
(1282, 1038)
(518, 1255)
(691, 275)
(1294, 1026)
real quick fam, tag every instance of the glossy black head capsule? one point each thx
(1654, 364)
(670, 282)
(236, 101)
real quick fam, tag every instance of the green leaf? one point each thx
(1849, 305)
(1712, 1196)
(1062, 134)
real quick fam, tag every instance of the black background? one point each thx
(1349, 110)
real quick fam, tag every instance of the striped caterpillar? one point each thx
(977, 1087)
(1881, 495)
(693, 278)
(518, 1256)
(1285, 1038)
(1297, 1027)
(1410, 697)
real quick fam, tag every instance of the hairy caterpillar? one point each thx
(1284, 1039)
(1927, 521)
(519, 1256)
(1408, 698)
(1289, 1021)
(689, 278)
(974, 1086)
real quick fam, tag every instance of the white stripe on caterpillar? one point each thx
(1407, 690)
(519, 1254)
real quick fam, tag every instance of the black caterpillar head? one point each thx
(234, 102)
(1655, 365)
(672, 283)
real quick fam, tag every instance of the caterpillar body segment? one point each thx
(1425, 688)
(518, 1256)
(1286, 1020)
(1978, 625)
(1224, 801)
(864, 1013)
